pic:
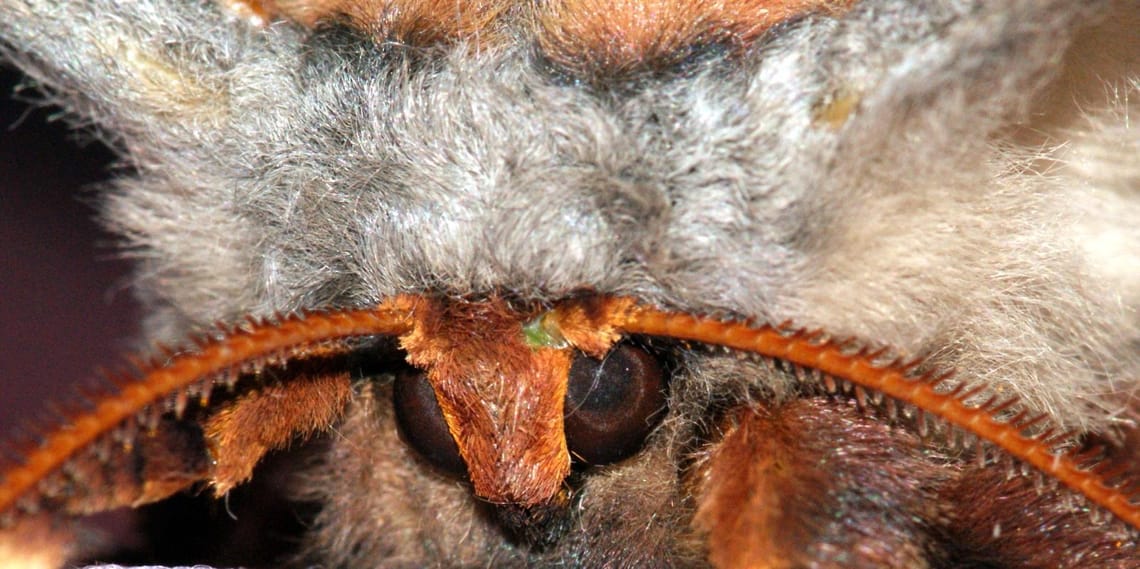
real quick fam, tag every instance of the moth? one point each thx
(669, 283)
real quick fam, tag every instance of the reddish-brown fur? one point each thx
(591, 39)
(270, 418)
(1006, 519)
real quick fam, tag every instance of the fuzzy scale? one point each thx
(936, 176)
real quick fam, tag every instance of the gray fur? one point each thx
(953, 215)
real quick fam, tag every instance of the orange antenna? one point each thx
(259, 341)
(591, 325)
(896, 380)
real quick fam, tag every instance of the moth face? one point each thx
(580, 283)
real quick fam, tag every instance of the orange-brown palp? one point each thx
(502, 399)
(269, 418)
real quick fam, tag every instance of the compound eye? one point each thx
(422, 424)
(612, 404)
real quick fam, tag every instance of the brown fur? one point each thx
(815, 482)
(166, 460)
(1003, 520)
(592, 324)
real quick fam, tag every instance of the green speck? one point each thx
(542, 332)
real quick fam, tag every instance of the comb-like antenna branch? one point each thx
(893, 380)
(251, 342)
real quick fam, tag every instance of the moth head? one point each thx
(520, 269)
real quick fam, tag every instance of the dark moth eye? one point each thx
(421, 421)
(612, 403)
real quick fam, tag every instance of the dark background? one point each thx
(66, 311)
(64, 304)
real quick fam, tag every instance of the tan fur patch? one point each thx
(615, 38)
(591, 324)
